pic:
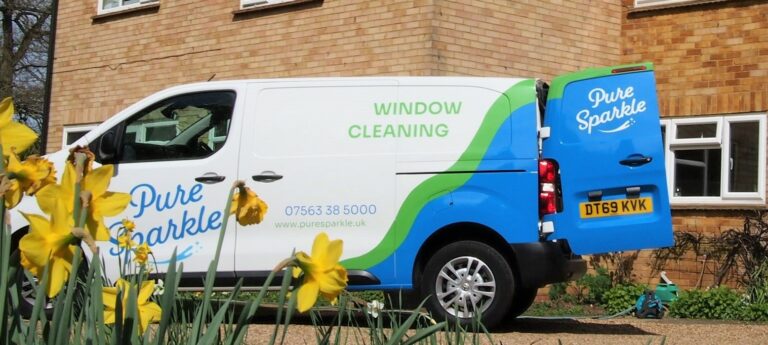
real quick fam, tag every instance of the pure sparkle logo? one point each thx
(610, 111)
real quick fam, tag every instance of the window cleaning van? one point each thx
(471, 192)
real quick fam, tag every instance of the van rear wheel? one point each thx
(468, 280)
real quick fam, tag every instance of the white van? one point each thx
(473, 192)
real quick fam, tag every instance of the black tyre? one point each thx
(465, 279)
(521, 301)
(27, 295)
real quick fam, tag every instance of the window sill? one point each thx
(758, 205)
(673, 5)
(145, 7)
(271, 6)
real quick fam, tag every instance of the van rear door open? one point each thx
(606, 137)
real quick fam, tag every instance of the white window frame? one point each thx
(213, 138)
(141, 131)
(246, 4)
(760, 194)
(119, 8)
(720, 141)
(73, 129)
(653, 3)
(716, 140)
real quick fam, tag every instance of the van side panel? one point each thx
(494, 183)
(337, 167)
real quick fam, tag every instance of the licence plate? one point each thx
(616, 207)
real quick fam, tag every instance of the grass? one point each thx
(560, 308)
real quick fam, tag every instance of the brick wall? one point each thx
(103, 65)
(710, 58)
(539, 38)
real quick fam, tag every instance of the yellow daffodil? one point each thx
(322, 273)
(12, 194)
(128, 225)
(142, 253)
(12, 134)
(48, 243)
(103, 203)
(147, 311)
(247, 207)
(28, 176)
(125, 241)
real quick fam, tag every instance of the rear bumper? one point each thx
(543, 263)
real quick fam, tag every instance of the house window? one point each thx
(106, 6)
(218, 135)
(72, 133)
(716, 160)
(245, 4)
(152, 132)
(660, 3)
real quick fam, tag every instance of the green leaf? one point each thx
(398, 334)
(213, 326)
(168, 299)
(280, 303)
(424, 332)
(63, 323)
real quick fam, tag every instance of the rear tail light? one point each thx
(549, 187)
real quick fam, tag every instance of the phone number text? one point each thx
(330, 210)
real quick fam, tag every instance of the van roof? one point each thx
(496, 83)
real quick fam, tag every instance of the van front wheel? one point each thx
(466, 280)
(27, 290)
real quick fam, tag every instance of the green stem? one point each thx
(212, 268)
(80, 221)
(224, 223)
(5, 238)
(79, 168)
(2, 201)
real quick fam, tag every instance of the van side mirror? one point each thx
(107, 151)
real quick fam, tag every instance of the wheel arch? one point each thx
(462, 231)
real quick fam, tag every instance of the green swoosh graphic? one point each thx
(517, 96)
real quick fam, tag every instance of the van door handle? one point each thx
(210, 178)
(266, 177)
(636, 160)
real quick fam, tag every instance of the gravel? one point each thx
(624, 331)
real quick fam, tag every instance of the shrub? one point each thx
(718, 303)
(592, 287)
(757, 289)
(588, 289)
(558, 292)
(621, 297)
(755, 312)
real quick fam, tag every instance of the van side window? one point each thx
(189, 126)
